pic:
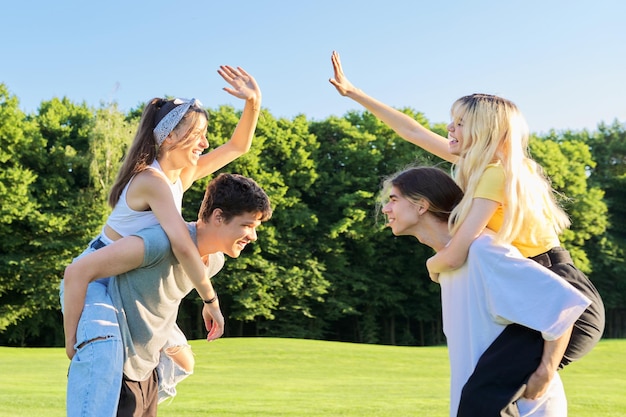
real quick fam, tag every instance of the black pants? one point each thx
(502, 371)
(589, 327)
(139, 398)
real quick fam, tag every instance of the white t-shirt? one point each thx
(497, 287)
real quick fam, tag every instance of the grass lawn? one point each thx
(291, 377)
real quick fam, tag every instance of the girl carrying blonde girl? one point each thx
(504, 190)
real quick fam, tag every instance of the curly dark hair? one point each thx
(235, 195)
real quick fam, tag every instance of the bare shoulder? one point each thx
(143, 187)
(148, 178)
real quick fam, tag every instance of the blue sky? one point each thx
(563, 62)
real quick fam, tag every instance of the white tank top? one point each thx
(126, 221)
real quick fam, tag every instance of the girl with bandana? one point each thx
(163, 161)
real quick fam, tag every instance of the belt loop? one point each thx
(554, 256)
(543, 259)
(97, 244)
(560, 255)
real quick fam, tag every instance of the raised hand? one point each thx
(340, 81)
(244, 85)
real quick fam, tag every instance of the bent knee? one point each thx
(182, 356)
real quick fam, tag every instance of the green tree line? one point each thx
(324, 267)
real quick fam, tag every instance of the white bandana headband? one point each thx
(171, 120)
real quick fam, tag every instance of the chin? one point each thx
(396, 232)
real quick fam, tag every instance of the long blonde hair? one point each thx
(495, 130)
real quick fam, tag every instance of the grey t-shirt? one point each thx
(147, 300)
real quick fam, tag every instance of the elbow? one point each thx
(455, 263)
(447, 265)
(445, 261)
(244, 149)
(76, 276)
(70, 285)
(454, 257)
(236, 148)
(69, 275)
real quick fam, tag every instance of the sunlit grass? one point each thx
(291, 377)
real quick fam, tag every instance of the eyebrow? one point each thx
(250, 222)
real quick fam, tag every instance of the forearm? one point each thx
(553, 352)
(405, 126)
(241, 139)
(74, 293)
(401, 123)
(183, 246)
(455, 253)
(196, 271)
(187, 254)
(445, 260)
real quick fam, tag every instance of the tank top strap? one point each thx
(176, 187)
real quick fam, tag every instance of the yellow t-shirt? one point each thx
(491, 187)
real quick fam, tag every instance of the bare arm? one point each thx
(553, 352)
(455, 253)
(150, 187)
(406, 127)
(128, 254)
(244, 86)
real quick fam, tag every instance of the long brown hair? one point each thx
(425, 183)
(144, 149)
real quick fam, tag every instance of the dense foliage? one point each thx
(324, 267)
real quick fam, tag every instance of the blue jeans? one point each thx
(95, 375)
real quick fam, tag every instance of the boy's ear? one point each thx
(218, 215)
